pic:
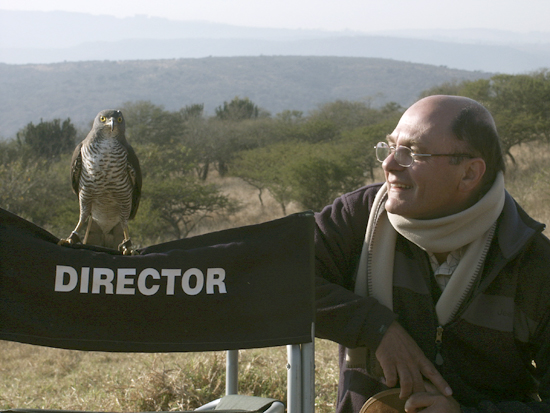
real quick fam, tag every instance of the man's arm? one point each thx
(404, 362)
(349, 319)
(343, 316)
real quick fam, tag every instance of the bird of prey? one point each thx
(106, 176)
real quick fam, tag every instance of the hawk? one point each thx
(106, 176)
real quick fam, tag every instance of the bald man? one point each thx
(436, 281)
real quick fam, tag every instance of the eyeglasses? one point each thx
(405, 156)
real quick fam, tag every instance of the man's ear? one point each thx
(474, 169)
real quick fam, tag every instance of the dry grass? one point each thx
(528, 181)
(46, 378)
(37, 377)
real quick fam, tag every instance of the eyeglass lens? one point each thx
(402, 154)
(382, 151)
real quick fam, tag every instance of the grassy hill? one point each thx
(275, 83)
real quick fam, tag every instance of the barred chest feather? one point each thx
(105, 182)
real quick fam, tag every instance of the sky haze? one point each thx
(354, 15)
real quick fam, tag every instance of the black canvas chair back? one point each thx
(240, 288)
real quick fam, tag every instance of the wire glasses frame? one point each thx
(405, 157)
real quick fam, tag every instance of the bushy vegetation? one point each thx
(207, 173)
(303, 159)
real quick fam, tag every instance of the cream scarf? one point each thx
(473, 227)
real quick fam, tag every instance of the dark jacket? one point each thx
(496, 350)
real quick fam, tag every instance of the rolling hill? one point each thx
(275, 83)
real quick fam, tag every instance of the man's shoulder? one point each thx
(523, 242)
(364, 195)
(517, 229)
(350, 210)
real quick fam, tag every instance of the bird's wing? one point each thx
(135, 174)
(76, 168)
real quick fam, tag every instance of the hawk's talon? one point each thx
(126, 247)
(72, 239)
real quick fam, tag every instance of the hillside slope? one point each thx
(81, 89)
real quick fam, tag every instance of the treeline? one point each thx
(307, 159)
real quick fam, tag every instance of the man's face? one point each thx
(430, 187)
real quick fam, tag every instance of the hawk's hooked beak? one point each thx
(111, 122)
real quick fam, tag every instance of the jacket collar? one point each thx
(515, 228)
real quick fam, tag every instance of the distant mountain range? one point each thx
(50, 37)
(79, 90)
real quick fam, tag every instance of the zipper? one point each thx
(438, 344)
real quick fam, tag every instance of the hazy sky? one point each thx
(360, 15)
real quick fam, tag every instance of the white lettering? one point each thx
(170, 279)
(150, 281)
(122, 282)
(185, 281)
(60, 272)
(103, 277)
(84, 280)
(142, 281)
(215, 276)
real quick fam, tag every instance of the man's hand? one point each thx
(431, 401)
(401, 359)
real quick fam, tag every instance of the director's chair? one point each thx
(242, 288)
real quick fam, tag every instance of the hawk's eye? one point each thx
(102, 118)
(119, 119)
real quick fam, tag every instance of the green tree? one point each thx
(189, 112)
(239, 109)
(290, 116)
(40, 191)
(345, 114)
(252, 168)
(48, 139)
(316, 130)
(9, 150)
(181, 203)
(267, 168)
(447, 88)
(360, 143)
(206, 139)
(149, 123)
(331, 120)
(324, 173)
(174, 200)
(520, 105)
(390, 110)
(311, 174)
(164, 161)
(215, 142)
